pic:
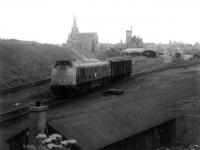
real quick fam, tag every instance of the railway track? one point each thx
(24, 86)
(25, 109)
(55, 100)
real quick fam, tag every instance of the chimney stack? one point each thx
(37, 123)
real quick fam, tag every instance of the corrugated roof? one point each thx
(110, 121)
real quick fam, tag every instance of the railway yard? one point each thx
(173, 89)
(100, 75)
(19, 98)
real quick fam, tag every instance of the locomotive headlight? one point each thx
(54, 71)
(69, 70)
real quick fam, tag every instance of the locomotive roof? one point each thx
(85, 62)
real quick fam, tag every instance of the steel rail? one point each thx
(24, 86)
(25, 109)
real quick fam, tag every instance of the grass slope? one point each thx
(24, 61)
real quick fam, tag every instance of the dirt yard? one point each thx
(177, 88)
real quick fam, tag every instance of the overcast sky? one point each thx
(50, 21)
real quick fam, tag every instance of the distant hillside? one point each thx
(24, 61)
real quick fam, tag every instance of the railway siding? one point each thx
(24, 86)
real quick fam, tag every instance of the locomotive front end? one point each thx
(63, 77)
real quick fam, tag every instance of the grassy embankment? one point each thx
(22, 61)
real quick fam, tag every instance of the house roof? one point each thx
(108, 122)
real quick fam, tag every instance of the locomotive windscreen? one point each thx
(63, 62)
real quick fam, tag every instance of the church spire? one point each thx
(74, 21)
(75, 27)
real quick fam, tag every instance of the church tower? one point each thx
(129, 38)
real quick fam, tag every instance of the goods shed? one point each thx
(177, 53)
(149, 53)
(133, 51)
(119, 124)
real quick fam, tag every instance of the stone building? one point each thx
(85, 42)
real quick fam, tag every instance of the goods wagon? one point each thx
(120, 68)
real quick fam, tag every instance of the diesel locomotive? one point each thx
(69, 77)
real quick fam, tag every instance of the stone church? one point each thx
(83, 42)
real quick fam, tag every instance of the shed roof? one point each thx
(153, 50)
(110, 121)
(133, 50)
